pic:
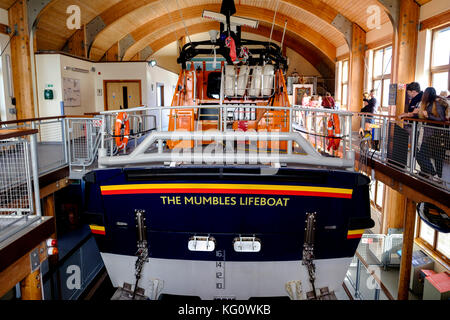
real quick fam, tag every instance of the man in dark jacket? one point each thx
(414, 95)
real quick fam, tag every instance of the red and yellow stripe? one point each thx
(98, 230)
(214, 188)
(355, 234)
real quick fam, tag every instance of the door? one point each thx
(122, 94)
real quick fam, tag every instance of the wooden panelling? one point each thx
(357, 11)
(52, 32)
(113, 53)
(380, 42)
(123, 17)
(436, 21)
(4, 29)
(6, 4)
(76, 45)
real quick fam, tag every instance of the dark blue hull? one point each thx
(238, 204)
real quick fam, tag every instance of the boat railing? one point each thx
(225, 145)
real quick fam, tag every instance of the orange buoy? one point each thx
(122, 123)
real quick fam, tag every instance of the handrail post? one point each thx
(412, 156)
(35, 171)
(102, 150)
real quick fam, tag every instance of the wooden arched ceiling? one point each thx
(52, 32)
(128, 14)
(149, 30)
(310, 19)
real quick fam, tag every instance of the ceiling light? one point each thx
(152, 63)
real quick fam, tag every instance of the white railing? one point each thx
(299, 149)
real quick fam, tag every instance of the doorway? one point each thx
(160, 94)
(122, 94)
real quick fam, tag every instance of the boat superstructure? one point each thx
(233, 201)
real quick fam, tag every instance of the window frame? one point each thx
(441, 68)
(382, 77)
(374, 201)
(342, 83)
(432, 248)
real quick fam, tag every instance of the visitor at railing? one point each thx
(414, 95)
(432, 107)
(370, 104)
(328, 101)
(306, 100)
(444, 95)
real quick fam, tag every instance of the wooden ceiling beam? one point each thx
(158, 24)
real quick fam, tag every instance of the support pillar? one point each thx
(21, 60)
(403, 72)
(356, 74)
(405, 47)
(30, 287)
(407, 250)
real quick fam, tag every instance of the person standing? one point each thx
(328, 101)
(435, 141)
(414, 95)
(369, 106)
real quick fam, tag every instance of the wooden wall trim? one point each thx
(380, 42)
(435, 21)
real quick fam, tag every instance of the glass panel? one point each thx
(443, 244)
(441, 47)
(380, 190)
(378, 89)
(386, 84)
(440, 81)
(345, 71)
(378, 63)
(387, 60)
(344, 94)
(426, 233)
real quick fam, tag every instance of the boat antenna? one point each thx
(284, 32)
(228, 9)
(184, 22)
(273, 22)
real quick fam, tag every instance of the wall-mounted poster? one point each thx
(72, 92)
(300, 90)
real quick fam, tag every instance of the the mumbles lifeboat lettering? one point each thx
(224, 201)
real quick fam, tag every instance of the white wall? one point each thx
(5, 99)
(87, 84)
(50, 69)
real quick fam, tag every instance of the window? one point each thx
(437, 242)
(381, 76)
(344, 83)
(377, 195)
(440, 59)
